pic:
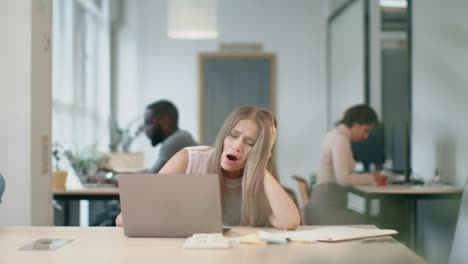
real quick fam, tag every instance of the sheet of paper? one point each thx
(330, 234)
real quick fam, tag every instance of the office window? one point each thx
(81, 74)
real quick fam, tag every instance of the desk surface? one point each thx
(410, 189)
(109, 245)
(88, 191)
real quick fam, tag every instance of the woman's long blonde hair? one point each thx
(255, 209)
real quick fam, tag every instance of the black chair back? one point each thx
(2, 186)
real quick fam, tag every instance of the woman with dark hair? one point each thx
(337, 160)
(328, 201)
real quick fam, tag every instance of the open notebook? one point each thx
(325, 234)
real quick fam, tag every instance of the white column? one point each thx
(25, 111)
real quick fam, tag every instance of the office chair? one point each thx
(108, 216)
(303, 188)
(2, 186)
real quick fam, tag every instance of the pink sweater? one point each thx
(337, 162)
(201, 160)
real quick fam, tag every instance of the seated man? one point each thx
(161, 126)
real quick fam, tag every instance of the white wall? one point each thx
(347, 93)
(335, 4)
(126, 62)
(15, 117)
(25, 69)
(440, 89)
(294, 30)
(440, 94)
(347, 61)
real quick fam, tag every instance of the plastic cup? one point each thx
(59, 178)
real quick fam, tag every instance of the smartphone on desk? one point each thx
(46, 244)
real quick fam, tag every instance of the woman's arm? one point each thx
(285, 214)
(119, 220)
(177, 164)
(341, 155)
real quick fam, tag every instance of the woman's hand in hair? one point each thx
(273, 141)
(285, 214)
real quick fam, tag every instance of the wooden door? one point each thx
(231, 80)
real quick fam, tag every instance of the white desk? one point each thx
(65, 196)
(409, 193)
(109, 245)
(85, 193)
(414, 190)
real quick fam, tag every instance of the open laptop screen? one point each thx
(170, 205)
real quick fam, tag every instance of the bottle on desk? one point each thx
(436, 178)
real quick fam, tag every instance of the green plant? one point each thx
(89, 161)
(57, 151)
(85, 161)
(116, 136)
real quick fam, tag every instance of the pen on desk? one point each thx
(379, 240)
(301, 240)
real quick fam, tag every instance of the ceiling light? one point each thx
(394, 3)
(192, 19)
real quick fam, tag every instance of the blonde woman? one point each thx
(242, 156)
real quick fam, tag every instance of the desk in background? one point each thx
(409, 194)
(109, 245)
(63, 197)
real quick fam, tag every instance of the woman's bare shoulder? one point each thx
(177, 164)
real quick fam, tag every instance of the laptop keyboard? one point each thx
(212, 240)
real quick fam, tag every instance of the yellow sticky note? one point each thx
(302, 241)
(252, 239)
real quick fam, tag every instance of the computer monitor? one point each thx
(371, 150)
(401, 155)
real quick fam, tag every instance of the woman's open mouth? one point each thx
(231, 157)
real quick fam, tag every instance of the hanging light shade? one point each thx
(192, 19)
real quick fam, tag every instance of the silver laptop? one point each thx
(170, 205)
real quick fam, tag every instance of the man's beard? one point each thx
(157, 137)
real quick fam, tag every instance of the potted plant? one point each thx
(59, 177)
(89, 165)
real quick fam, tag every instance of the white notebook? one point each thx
(202, 241)
(325, 234)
